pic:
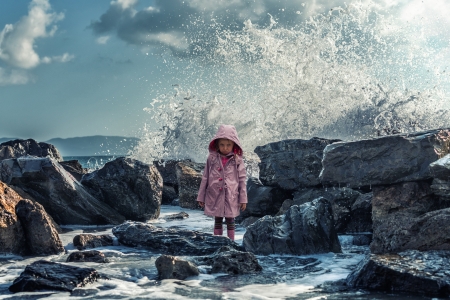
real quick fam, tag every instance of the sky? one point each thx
(82, 68)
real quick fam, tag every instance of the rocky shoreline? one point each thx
(391, 193)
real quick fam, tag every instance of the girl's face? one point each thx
(225, 146)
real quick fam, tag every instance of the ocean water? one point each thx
(132, 273)
(358, 69)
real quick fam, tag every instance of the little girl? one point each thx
(223, 188)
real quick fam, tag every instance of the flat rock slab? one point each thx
(379, 161)
(291, 164)
(425, 273)
(46, 275)
(170, 241)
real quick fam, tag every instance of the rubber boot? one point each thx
(218, 231)
(230, 234)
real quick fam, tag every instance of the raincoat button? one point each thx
(220, 179)
(220, 189)
(219, 169)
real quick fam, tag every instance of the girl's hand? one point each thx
(202, 204)
(243, 206)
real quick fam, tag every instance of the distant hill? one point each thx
(94, 145)
(2, 140)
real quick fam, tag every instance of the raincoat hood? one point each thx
(226, 132)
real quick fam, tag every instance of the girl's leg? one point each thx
(218, 229)
(230, 227)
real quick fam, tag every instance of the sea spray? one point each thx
(347, 74)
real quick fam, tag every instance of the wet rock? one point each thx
(74, 168)
(231, 261)
(170, 241)
(167, 169)
(128, 186)
(189, 175)
(248, 221)
(62, 197)
(87, 256)
(12, 237)
(20, 148)
(85, 241)
(360, 215)
(41, 236)
(292, 164)
(341, 199)
(45, 275)
(379, 161)
(440, 168)
(362, 239)
(441, 188)
(171, 267)
(260, 200)
(169, 194)
(407, 216)
(285, 207)
(179, 216)
(424, 273)
(304, 229)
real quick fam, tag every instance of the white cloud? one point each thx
(11, 77)
(103, 39)
(60, 58)
(17, 42)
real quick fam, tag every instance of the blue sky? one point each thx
(80, 68)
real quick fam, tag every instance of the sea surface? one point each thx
(92, 162)
(132, 273)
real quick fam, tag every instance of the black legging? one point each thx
(218, 221)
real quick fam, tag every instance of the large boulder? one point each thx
(189, 176)
(41, 236)
(170, 241)
(379, 161)
(360, 215)
(408, 216)
(292, 164)
(423, 273)
(303, 229)
(20, 148)
(62, 197)
(12, 237)
(341, 199)
(167, 169)
(129, 186)
(85, 241)
(46, 275)
(260, 200)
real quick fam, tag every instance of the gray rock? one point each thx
(231, 261)
(441, 188)
(360, 215)
(87, 256)
(440, 168)
(74, 168)
(12, 237)
(407, 216)
(167, 169)
(20, 148)
(85, 241)
(285, 207)
(41, 236)
(292, 164)
(171, 267)
(170, 241)
(362, 239)
(179, 216)
(62, 197)
(189, 175)
(423, 273)
(169, 194)
(341, 200)
(304, 229)
(260, 200)
(379, 161)
(46, 275)
(128, 186)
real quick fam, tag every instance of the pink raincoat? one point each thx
(223, 188)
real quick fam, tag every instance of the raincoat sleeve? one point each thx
(204, 183)
(242, 173)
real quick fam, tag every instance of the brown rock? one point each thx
(12, 238)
